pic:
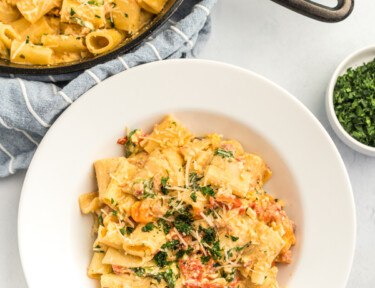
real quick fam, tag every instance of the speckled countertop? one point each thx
(297, 53)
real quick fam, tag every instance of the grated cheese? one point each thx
(208, 220)
(177, 188)
(199, 241)
(179, 236)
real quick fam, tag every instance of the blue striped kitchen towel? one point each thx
(30, 104)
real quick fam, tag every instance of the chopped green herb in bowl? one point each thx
(354, 102)
(350, 101)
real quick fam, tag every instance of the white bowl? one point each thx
(54, 238)
(354, 60)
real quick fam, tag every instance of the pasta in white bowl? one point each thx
(47, 32)
(181, 210)
(54, 234)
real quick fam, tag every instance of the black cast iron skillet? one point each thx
(305, 7)
(318, 11)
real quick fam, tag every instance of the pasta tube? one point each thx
(7, 35)
(64, 43)
(102, 41)
(153, 6)
(8, 13)
(30, 54)
(126, 15)
(34, 10)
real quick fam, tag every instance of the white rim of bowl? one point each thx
(331, 86)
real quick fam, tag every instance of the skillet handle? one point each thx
(318, 11)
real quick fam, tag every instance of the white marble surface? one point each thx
(295, 52)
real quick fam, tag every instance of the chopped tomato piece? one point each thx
(192, 270)
(242, 210)
(119, 269)
(122, 141)
(213, 203)
(231, 201)
(269, 211)
(228, 147)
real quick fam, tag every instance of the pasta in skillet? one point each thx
(185, 211)
(47, 32)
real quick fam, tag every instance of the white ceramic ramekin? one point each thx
(354, 60)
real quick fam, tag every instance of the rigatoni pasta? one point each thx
(153, 6)
(181, 210)
(8, 13)
(101, 41)
(69, 30)
(27, 53)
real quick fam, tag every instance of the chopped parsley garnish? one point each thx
(164, 225)
(78, 20)
(97, 16)
(126, 15)
(22, 56)
(208, 191)
(114, 5)
(183, 228)
(129, 230)
(234, 239)
(111, 22)
(205, 259)
(169, 277)
(213, 245)
(129, 145)
(354, 102)
(180, 253)
(148, 186)
(193, 180)
(160, 259)
(98, 251)
(114, 213)
(229, 277)
(122, 231)
(164, 184)
(171, 245)
(210, 211)
(27, 40)
(193, 196)
(101, 219)
(96, 3)
(209, 235)
(240, 248)
(112, 200)
(215, 250)
(183, 222)
(139, 271)
(72, 12)
(148, 227)
(223, 153)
